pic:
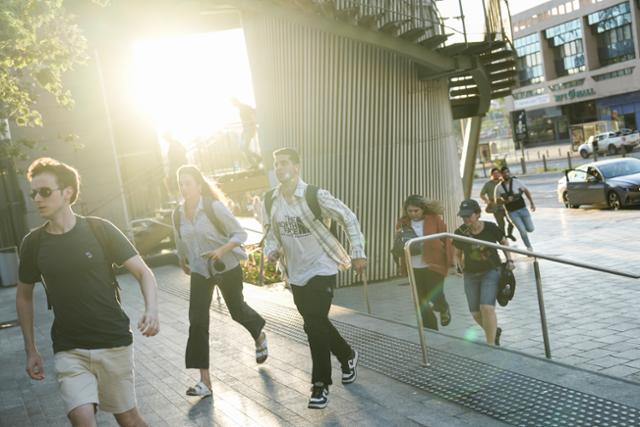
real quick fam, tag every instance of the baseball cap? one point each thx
(468, 207)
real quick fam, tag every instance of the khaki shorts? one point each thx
(103, 377)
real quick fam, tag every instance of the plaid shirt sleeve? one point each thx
(338, 211)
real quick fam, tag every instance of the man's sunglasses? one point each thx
(44, 192)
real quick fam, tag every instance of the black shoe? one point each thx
(349, 373)
(498, 333)
(445, 317)
(512, 237)
(319, 396)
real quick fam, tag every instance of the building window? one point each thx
(530, 69)
(612, 29)
(613, 74)
(566, 41)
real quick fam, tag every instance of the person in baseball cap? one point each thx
(468, 207)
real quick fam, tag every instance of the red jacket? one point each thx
(438, 254)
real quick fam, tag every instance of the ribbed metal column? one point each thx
(368, 130)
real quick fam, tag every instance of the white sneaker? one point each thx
(199, 389)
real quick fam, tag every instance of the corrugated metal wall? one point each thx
(368, 130)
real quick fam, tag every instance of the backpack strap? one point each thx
(97, 227)
(311, 197)
(213, 218)
(268, 201)
(176, 217)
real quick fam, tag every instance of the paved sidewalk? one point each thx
(274, 394)
(466, 384)
(592, 317)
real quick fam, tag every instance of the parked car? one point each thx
(611, 142)
(614, 183)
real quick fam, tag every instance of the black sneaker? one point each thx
(349, 373)
(512, 237)
(498, 333)
(319, 396)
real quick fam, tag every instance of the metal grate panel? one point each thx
(498, 393)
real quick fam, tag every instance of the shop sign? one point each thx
(575, 93)
(531, 101)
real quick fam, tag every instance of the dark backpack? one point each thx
(518, 200)
(402, 236)
(208, 210)
(310, 196)
(506, 286)
(97, 227)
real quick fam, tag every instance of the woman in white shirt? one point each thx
(209, 241)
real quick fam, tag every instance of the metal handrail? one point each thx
(536, 268)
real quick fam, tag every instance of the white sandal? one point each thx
(262, 351)
(199, 389)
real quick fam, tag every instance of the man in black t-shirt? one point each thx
(92, 340)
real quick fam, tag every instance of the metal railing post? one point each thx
(416, 300)
(536, 267)
(543, 314)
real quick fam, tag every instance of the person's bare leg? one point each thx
(489, 322)
(205, 377)
(83, 416)
(131, 418)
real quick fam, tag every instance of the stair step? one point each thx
(392, 27)
(463, 92)
(503, 75)
(500, 66)
(465, 101)
(497, 56)
(504, 84)
(501, 93)
(434, 41)
(413, 34)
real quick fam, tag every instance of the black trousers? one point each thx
(230, 284)
(314, 301)
(430, 290)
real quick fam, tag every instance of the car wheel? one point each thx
(628, 148)
(565, 199)
(611, 149)
(614, 200)
(584, 154)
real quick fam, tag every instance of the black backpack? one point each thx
(518, 200)
(310, 196)
(208, 210)
(97, 227)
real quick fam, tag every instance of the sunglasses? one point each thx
(44, 192)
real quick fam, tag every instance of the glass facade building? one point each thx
(566, 41)
(530, 67)
(612, 28)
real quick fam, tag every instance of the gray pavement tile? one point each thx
(620, 371)
(588, 345)
(629, 354)
(608, 361)
(594, 354)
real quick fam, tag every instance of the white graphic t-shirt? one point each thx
(416, 260)
(305, 257)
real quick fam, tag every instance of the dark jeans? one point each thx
(430, 290)
(230, 284)
(500, 216)
(314, 301)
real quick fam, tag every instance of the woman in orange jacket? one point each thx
(430, 260)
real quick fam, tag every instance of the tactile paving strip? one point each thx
(504, 395)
